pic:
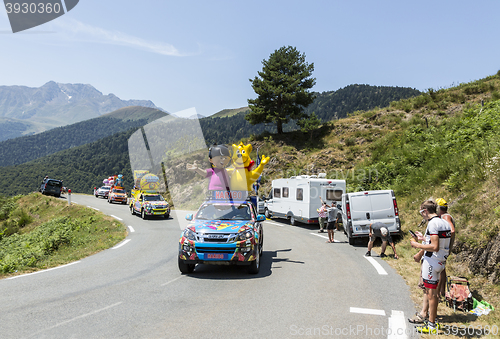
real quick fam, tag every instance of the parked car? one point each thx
(102, 191)
(117, 195)
(222, 233)
(51, 187)
(360, 209)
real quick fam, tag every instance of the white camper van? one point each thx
(298, 198)
(360, 209)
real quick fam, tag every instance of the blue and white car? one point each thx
(222, 233)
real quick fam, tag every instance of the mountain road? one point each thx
(305, 288)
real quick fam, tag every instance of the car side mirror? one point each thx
(189, 217)
(260, 217)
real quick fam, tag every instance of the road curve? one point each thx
(305, 288)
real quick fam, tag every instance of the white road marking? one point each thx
(276, 224)
(81, 316)
(120, 244)
(131, 229)
(377, 266)
(93, 208)
(397, 325)
(367, 311)
(49, 269)
(324, 236)
(114, 216)
(171, 281)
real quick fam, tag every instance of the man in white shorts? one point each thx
(434, 251)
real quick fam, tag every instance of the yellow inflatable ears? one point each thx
(242, 175)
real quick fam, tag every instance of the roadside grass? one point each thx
(57, 234)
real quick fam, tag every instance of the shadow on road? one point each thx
(237, 272)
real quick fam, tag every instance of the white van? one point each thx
(298, 198)
(360, 209)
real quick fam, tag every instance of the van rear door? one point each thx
(361, 210)
(383, 209)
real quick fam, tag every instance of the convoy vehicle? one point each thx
(149, 204)
(117, 194)
(102, 191)
(360, 209)
(298, 198)
(222, 233)
(52, 187)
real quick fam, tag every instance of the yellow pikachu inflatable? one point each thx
(242, 175)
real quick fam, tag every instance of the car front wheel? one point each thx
(255, 265)
(185, 268)
(143, 214)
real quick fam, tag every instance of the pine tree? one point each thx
(282, 88)
(309, 124)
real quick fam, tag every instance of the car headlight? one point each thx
(190, 235)
(244, 235)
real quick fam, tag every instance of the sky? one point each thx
(201, 54)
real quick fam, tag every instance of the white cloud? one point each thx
(79, 30)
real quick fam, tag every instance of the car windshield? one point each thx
(153, 198)
(105, 188)
(118, 191)
(224, 212)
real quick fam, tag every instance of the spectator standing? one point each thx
(442, 211)
(436, 248)
(333, 212)
(379, 230)
(322, 216)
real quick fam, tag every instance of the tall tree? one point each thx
(282, 88)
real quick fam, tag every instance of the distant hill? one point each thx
(229, 112)
(337, 104)
(20, 150)
(33, 110)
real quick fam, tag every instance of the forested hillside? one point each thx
(337, 104)
(81, 168)
(226, 126)
(24, 149)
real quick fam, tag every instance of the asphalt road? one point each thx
(305, 288)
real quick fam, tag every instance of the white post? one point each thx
(69, 197)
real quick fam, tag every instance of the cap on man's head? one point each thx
(441, 202)
(384, 231)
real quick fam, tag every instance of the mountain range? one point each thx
(27, 110)
(87, 150)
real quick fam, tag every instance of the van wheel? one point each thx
(350, 238)
(267, 213)
(143, 214)
(132, 210)
(293, 222)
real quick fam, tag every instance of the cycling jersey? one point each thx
(441, 228)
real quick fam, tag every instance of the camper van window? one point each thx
(285, 192)
(335, 195)
(277, 193)
(300, 194)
